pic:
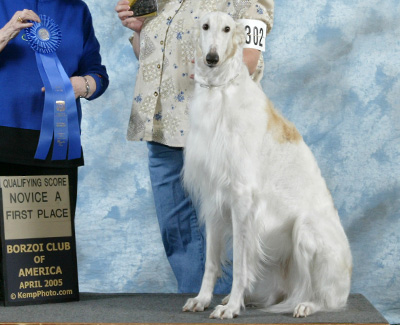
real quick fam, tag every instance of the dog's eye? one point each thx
(206, 27)
(227, 29)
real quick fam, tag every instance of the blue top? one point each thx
(21, 98)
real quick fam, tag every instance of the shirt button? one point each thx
(155, 94)
(162, 42)
(158, 66)
(169, 18)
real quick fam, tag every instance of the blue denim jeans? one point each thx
(182, 236)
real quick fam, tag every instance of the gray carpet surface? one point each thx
(167, 308)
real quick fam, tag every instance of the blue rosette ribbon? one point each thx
(60, 122)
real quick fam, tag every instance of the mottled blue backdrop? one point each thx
(332, 67)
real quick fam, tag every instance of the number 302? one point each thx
(258, 35)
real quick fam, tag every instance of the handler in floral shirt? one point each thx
(165, 49)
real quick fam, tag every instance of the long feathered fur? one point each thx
(257, 183)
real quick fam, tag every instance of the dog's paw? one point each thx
(302, 310)
(225, 312)
(196, 304)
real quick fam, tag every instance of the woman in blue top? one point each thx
(22, 93)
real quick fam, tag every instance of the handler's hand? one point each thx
(18, 22)
(79, 86)
(125, 15)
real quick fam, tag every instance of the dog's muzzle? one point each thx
(212, 59)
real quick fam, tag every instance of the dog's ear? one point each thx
(239, 37)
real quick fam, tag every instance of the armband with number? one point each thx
(256, 31)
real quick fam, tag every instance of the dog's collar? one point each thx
(216, 86)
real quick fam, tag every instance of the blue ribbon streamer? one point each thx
(60, 122)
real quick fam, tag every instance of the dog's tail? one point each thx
(299, 280)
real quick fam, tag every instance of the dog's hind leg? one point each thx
(300, 298)
(319, 276)
(215, 246)
(321, 252)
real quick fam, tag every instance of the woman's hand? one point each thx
(125, 15)
(17, 23)
(79, 86)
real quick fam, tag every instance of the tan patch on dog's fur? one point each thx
(281, 129)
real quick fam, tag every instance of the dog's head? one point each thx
(219, 38)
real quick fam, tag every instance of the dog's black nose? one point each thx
(212, 58)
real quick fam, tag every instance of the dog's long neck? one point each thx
(221, 75)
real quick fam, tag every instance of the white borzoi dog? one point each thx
(257, 183)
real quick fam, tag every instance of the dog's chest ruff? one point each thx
(228, 131)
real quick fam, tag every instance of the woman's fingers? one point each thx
(125, 14)
(122, 5)
(22, 17)
(31, 15)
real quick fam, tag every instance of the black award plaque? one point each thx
(143, 8)
(37, 240)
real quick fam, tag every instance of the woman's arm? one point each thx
(135, 24)
(90, 65)
(250, 58)
(17, 23)
(259, 10)
(135, 40)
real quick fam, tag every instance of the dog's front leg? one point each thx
(214, 248)
(241, 242)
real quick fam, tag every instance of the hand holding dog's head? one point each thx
(220, 37)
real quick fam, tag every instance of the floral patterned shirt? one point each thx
(163, 85)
